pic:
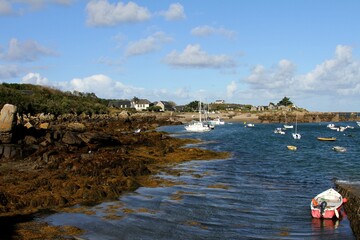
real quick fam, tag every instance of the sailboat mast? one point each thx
(200, 111)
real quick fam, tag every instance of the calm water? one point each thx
(262, 192)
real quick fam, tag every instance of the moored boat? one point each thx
(339, 149)
(327, 204)
(292, 148)
(326, 138)
(279, 131)
(198, 126)
(216, 121)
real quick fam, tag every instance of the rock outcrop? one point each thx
(7, 122)
(352, 207)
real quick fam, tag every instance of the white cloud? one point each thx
(103, 13)
(281, 76)
(103, 86)
(204, 31)
(175, 12)
(26, 51)
(337, 78)
(231, 89)
(341, 74)
(149, 44)
(19, 6)
(9, 71)
(35, 78)
(194, 57)
(5, 7)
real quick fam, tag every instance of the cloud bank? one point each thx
(193, 57)
(27, 51)
(103, 13)
(147, 45)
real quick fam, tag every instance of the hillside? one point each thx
(35, 99)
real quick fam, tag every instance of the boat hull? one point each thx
(326, 138)
(327, 204)
(328, 213)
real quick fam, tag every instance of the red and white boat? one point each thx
(327, 204)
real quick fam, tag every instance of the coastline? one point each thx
(273, 117)
(65, 172)
(102, 161)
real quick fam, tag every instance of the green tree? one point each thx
(192, 106)
(285, 102)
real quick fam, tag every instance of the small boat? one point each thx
(198, 126)
(216, 121)
(358, 123)
(339, 149)
(287, 126)
(279, 131)
(326, 138)
(327, 204)
(250, 125)
(292, 148)
(296, 135)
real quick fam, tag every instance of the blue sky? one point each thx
(246, 51)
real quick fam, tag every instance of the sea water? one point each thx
(263, 191)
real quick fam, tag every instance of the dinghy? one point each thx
(327, 204)
(339, 149)
(292, 148)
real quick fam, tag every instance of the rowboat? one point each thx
(339, 149)
(327, 204)
(292, 148)
(326, 138)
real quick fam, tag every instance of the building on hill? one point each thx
(120, 104)
(165, 106)
(141, 104)
(219, 102)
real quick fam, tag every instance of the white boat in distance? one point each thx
(358, 123)
(339, 149)
(296, 135)
(198, 126)
(216, 121)
(279, 131)
(287, 126)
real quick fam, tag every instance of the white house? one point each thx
(141, 104)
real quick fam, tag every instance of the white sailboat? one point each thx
(296, 135)
(287, 126)
(198, 126)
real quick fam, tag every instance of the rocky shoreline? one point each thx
(50, 164)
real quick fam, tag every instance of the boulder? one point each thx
(76, 127)
(71, 139)
(7, 118)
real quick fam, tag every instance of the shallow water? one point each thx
(262, 192)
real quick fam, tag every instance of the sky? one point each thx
(245, 51)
